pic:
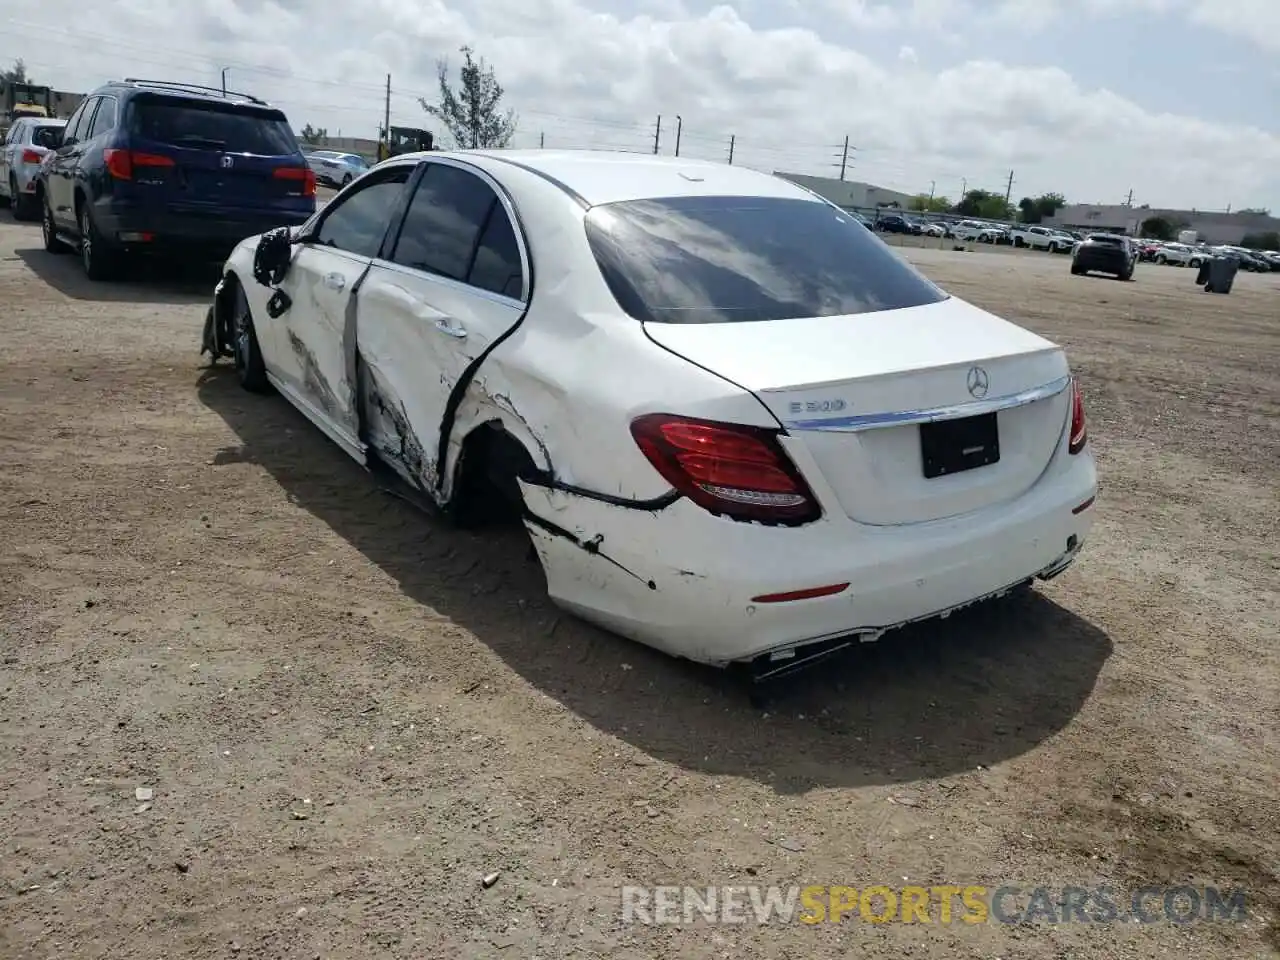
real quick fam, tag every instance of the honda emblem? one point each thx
(227, 161)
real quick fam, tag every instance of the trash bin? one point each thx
(1202, 275)
(1222, 274)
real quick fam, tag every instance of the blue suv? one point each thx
(149, 166)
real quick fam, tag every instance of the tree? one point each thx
(924, 203)
(1262, 241)
(984, 204)
(16, 74)
(472, 113)
(1157, 228)
(1036, 209)
(314, 135)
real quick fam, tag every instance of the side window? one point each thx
(104, 120)
(358, 223)
(441, 230)
(497, 266)
(79, 120)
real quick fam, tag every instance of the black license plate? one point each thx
(953, 446)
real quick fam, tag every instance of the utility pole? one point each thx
(933, 185)
(657, 135)
(844, 157)
(732, 138)
(542, 139)
(224, 80)
(1129, 199)
(964, 187)
(679, 127)
(386, 119)
(1008, 189)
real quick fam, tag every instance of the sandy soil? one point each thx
(349, 714)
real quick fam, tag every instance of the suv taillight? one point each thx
(120, 163)
(32, 156)
(304, 174)
(1079, 434)
(732, 469)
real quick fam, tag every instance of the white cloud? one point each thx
(908, 55)
(584, 76)
(1256, 21)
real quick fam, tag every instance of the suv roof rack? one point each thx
(194, 88)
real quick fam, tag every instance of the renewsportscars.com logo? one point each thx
(941, 904)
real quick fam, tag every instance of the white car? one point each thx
(1043, 238)
(975, 230)
(335, 168)
(1178, 254)
(26, 145)
(736, 425)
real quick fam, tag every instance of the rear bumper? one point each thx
(214, 231)
(1103, 264)
(25, 175)
(684, 581)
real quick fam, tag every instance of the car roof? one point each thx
(603, 176)
(181, 91)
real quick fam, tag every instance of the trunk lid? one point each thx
(854, 391)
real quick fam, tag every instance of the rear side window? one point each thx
(227, 128)
(105, 119)
(746, 259)
(358, 222)
(442, 230)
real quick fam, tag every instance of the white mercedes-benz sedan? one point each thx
(735, 424)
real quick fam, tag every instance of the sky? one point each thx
(1177, 101)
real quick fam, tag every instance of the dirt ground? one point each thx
(349, 713)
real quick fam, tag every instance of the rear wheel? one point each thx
(50, 233)
(251, 371)
(1076, 271)
(24, 204)
(1162, 259)
(99, 260)
(346, 179)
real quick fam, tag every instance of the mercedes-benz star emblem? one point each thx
(227, 161)
(978, 382)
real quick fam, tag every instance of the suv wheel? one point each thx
(346, 179)
(50, 233)
(251, 371)
(98, 258)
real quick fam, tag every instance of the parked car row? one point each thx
(1188, 255)
(26, 145)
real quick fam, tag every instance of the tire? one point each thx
(1076, 271)
(100, 262)
(251, 370)
(1162, 259)
(346, 179)
(51, 242)
(22, 205)
(1194, 264)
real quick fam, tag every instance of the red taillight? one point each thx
(120, 163)
(31, 156)
(1079, 434)
(731, 469)
(304, 174)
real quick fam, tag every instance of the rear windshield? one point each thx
(213, 126)
(740, 259)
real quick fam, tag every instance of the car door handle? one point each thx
(335, 281)
(448, 327)
(420, 311)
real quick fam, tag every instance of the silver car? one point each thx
(28, 142)
(336, 168)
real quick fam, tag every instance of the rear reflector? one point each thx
(1079, 432)
(731, 469)
(304, 175)
(32, 156)
(121, 163)
(137, 237)
(810, 594)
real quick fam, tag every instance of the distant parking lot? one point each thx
(350, 713)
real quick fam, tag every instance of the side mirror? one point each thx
(273, 256)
